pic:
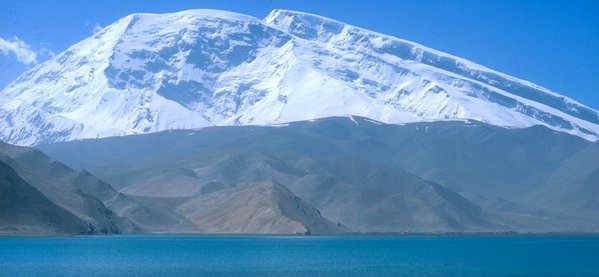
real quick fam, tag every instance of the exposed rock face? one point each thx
(266, 207)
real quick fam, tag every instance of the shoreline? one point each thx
(348, 235)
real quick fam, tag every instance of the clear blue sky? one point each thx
(549, 42)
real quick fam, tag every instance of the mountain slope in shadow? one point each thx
(25, 210)
(84, 196)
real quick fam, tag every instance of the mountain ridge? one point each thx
(41, 196)
(366, 175)
(197, 68)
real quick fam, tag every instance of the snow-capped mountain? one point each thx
(197, 68)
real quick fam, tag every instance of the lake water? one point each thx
(300, 256)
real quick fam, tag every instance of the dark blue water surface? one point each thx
(300, 256)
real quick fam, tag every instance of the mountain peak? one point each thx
(198, 13)
(305, 25)
(151, 72)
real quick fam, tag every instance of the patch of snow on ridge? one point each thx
(279, 125)
(373, 121)
(353, 120)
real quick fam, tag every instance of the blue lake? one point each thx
(300, 256)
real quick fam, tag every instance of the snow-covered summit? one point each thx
(197, 68)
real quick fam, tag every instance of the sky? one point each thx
(553, 43)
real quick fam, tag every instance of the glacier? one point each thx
(197, 68)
